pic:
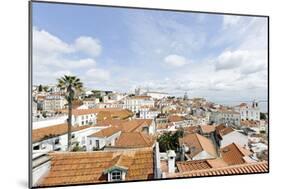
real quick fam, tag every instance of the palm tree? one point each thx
(71, 85)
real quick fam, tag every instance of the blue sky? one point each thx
(214, 56)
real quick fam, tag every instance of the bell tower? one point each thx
(255, 104)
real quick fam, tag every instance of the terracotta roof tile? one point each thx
(198, 143)
(162, 126)
(216, 163)
(192, 165)
(234, 154)
(175, 118)
(88, 167)
(207, 128)
(53, 131)
(191, 129)
(259, 167)
(107, 132)
(250, 123)
(222, 130)
(127, 125)
(133, 140)
(109, 112)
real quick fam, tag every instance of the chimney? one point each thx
(184, 149)
(157, 170)
(171, 161)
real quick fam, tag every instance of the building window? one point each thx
(116, 176)
(97, 144)
(36, 147)
(90, 142)
(57, 141)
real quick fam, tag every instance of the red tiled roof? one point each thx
(191, 129)
(234, 154)
(184, 166)
(199, 143)
(175, 118)
(134, 140)
(113, 111)
(90, 167)
(222, 130)
(250, 123)
(107, 132)
(207, 128)
(134, 125)
(53, 131)
(259, 167)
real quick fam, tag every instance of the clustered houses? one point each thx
(153, 94)
(115, 139)
(146, 112)
(134, 103)
(54, 137)
(54, 102)
(225, 116)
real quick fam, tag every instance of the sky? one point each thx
(219, 57)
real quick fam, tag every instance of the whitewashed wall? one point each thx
(234, 137)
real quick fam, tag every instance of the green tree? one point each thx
(72, 86)
(46, 88)
(170, 141)
(40, 88)
(262, 116)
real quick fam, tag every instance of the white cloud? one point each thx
(172, 34)
(53, 58)
(230, 20)
(45, 43)
(227, 64)
(61, 73)
(242, 61)
(230, 60)
(96, 74)
(175, 60)
(88, 45)
(80, 63)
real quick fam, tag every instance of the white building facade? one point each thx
(84, 119)
(54, 102)
(134, 103)
(59, 143)
(98, 142)
(157, 95)
(148, 113)
(249, 112)
(225, 117)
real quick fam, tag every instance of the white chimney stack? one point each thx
(157, 169)
(171, 161)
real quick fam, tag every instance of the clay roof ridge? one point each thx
(262, 163)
